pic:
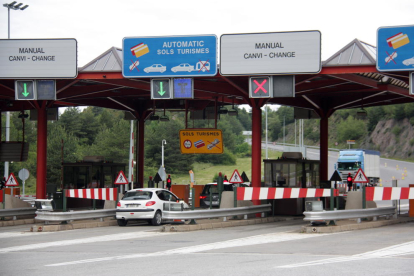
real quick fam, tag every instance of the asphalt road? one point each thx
(264, 249)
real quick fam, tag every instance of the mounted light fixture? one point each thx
(233, 111)
(164, 118)
(222, 110)
(154, 117)
(23, 115)
(361, 114)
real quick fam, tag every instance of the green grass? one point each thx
(205, 172)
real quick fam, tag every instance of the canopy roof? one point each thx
(348, 79)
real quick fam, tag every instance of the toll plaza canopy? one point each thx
(348, 79)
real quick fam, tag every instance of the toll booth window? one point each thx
(292, 175)
(96, 178)
(308, 179)
(299, 175)
(68, 178)
(82, 177)
(268, 175)
(315, 179)
(108, 181)
(280, 179)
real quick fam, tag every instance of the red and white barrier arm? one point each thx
(388, 193)
(101, 193)
(260, 193)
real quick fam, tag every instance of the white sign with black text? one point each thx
(38, 58)
(270, 53)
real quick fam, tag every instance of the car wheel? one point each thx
(156, 221)
(122, 222)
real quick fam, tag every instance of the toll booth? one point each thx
(290, 171)
(92, 172)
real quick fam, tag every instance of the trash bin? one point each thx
(58, 199)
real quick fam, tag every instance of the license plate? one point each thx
(133, 205)
(215, 202)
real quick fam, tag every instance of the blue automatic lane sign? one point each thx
(395, 48)
(176, 56)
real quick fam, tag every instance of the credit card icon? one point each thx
(140, 50)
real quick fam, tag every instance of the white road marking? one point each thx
(392, 251)
(253, 240)
(7, 235)
(115, 237)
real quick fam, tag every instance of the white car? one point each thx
(155, 68)
(183, 67)
(147, 204)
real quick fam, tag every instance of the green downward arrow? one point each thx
(161, 92)
(25, 93)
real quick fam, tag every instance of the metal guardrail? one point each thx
(78, 215)
(295, 145)
(349, 214)
(17, 212)
(216, 213)
(196, 214)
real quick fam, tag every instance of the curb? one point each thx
(72, 226)
(16, 222)
(214, 224)
(354, 226)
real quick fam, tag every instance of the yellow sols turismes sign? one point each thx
(201, 141)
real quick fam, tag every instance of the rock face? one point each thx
(393, 138)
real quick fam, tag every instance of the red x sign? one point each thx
(260, 86)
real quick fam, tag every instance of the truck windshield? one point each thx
(349, 165)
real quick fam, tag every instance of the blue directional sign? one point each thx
(183, 88)
(395, 48)
(176, 56)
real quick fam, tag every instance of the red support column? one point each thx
(256, 148)
(323, 169)
(41, 152)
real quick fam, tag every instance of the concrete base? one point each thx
(227, 201)
(354, 201)
(13, 202)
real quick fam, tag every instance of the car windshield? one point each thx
(137, 195)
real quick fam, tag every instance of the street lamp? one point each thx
(12, 6)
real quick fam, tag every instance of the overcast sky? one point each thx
(99, 25)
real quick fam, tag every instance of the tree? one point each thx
(351, 129)
(56, 135)
(112, 143)
(174, 161)
(70, 120)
